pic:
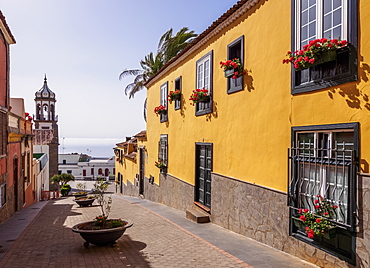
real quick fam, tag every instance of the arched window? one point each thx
(52, 112)
(106, 172)
(45, 112)
(38, 111)
(100, 171)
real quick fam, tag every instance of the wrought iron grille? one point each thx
(328, 172)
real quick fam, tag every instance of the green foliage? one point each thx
(104, 203)
(66, 188)
(62, 179)
(318, 222)
(169, 46)
(81, 187)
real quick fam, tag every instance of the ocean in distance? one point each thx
(92, 146)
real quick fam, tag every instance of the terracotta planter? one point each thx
(229, 73)
(100, 237)
(85, 202)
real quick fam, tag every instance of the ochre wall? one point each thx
(251, 129)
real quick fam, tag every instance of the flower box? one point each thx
(325, 56)
(229, 73)
(162, 111)
(331, 233)
(298, 222)
(203, 98)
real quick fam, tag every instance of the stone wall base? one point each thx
(248, 209)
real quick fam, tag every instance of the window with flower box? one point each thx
(164, 101)
(178, 85)
(331, 19)
(163, 150)
(204, 79)
(235, 50)
(323, 162)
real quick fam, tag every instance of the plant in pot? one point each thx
(81, 190)
(317, 223)
(160, 110)
(199, 95)
(102, 231)
(61, 180)
(174, 95)
(232, 68)
(161, 165)
(316, 52)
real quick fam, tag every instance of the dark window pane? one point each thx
(327, 6)
(304, 18)
(337, 32)
(304, 33)
(312, 13)
(312, 30)
(337, 17)
(337, 3)
(304, 4)
(327, 22)
(312, 2)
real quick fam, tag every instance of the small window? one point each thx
(59, 172)
(69, 171)
(164, 101)
(92, 171)
(64, 162)
(178, 87)
(235, 50)
(204, 79)
(2, 194)
(163, 149)
(84, 172)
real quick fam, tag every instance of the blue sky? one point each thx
(83, 45)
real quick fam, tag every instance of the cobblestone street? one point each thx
(153, 241)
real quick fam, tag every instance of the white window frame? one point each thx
(319, 21)
(164, 93)
(201, 75)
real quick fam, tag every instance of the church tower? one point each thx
(46, 138)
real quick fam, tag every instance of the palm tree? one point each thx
(168, 47)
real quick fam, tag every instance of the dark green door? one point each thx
(203, 173)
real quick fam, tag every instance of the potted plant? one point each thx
(160, 110)
(232, 68)
(199, 95)
(85, 201)
(61, 180)
(102, 231)
(317, 223)
(161, 165)
(316, 52)
(81, 190)
(174, 95)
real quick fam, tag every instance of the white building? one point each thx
(41, 173)
(86, 169)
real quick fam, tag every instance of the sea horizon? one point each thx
(96, 147)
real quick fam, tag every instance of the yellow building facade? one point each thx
(274, 136)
